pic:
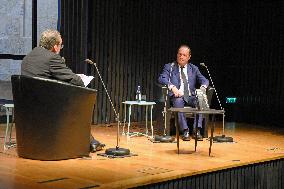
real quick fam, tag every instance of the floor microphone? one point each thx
(223, 137)
(117, 151)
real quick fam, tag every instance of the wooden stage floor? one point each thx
(155, 162)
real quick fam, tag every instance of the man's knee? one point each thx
(178, 102)
(192, 101)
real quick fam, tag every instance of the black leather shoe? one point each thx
(199, 136)
(186, 136)
(96, 146)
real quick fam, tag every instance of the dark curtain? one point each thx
(240, 42)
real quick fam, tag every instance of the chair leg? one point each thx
(168, 123)
(205, 126)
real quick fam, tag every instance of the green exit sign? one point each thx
(231, 100)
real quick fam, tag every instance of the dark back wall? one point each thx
(241, 43)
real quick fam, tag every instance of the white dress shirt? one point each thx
(181, 89)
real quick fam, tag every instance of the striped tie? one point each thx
(185, 84)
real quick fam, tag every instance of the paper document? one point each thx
(86, 79)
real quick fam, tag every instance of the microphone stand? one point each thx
(117, 151)
(223, 137)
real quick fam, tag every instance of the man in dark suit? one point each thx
(181, 78)
(44, 61)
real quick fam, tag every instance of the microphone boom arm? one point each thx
(203, 64)
(95, 65)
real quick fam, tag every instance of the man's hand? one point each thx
(203, 89)
(176, 92)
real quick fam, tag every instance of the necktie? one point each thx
(185, 84)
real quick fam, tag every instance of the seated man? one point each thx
(44, 61)
(181, 76)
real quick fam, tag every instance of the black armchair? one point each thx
(52, 118)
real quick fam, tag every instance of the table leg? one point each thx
(152, 121)
(146, 121)
(124, 119)
(177, 130)
(7, 128)
(12, 124)
(223, 132)
(212, 131)
(195, 131)
(129, 114)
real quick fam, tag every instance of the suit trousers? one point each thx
(179, 102)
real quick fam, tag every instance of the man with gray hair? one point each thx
(45, 61)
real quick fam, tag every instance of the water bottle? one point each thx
(138, 94)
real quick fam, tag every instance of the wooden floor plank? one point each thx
(155, 162)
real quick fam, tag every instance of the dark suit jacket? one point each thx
(41, 62)
(171, 76)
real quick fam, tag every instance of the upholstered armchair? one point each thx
(52, 118)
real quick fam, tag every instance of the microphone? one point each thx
(89, 61)
(203, 64)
